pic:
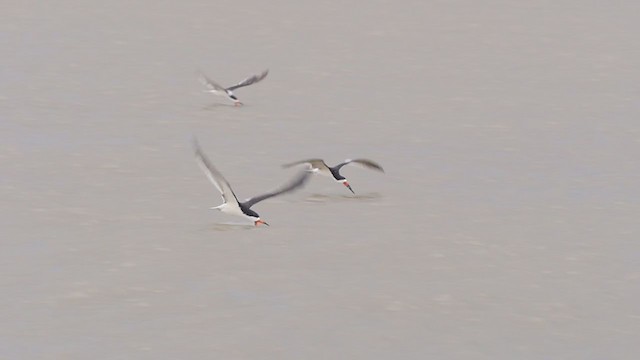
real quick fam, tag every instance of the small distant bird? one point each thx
(230, 204)
(217, 89)
(320, 167)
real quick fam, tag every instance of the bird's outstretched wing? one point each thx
(250, 80)
(297, 182)
(364, 162)
(214, 175)
(212, 85)
(313, 163)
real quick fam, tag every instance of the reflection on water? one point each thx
(344, 197)
(216, 105)
(229, 227)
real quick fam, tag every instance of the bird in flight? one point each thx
(215, 88)
(230, 203)
(320, 167)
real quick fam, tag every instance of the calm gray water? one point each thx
(505, 227)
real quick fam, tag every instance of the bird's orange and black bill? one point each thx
(349, 187)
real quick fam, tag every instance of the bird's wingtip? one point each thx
(195, 144)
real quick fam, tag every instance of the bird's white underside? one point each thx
(233, 209)
(229, 208)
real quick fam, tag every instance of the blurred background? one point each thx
(504, 227)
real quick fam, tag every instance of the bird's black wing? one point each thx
(364, 162)
(313, 163)
(296, 183)
(215, 176)
(250, 80)
(212, 85)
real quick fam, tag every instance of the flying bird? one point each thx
(230, 203)
(217, 89)
(320, 167)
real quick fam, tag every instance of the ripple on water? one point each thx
(324, 198)
(229, 227)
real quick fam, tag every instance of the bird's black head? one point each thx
(251, 213)
(254, 216)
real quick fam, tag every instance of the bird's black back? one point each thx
(335, 171)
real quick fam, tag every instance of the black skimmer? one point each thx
(320, 167)
(230, 204)
(217, 89)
